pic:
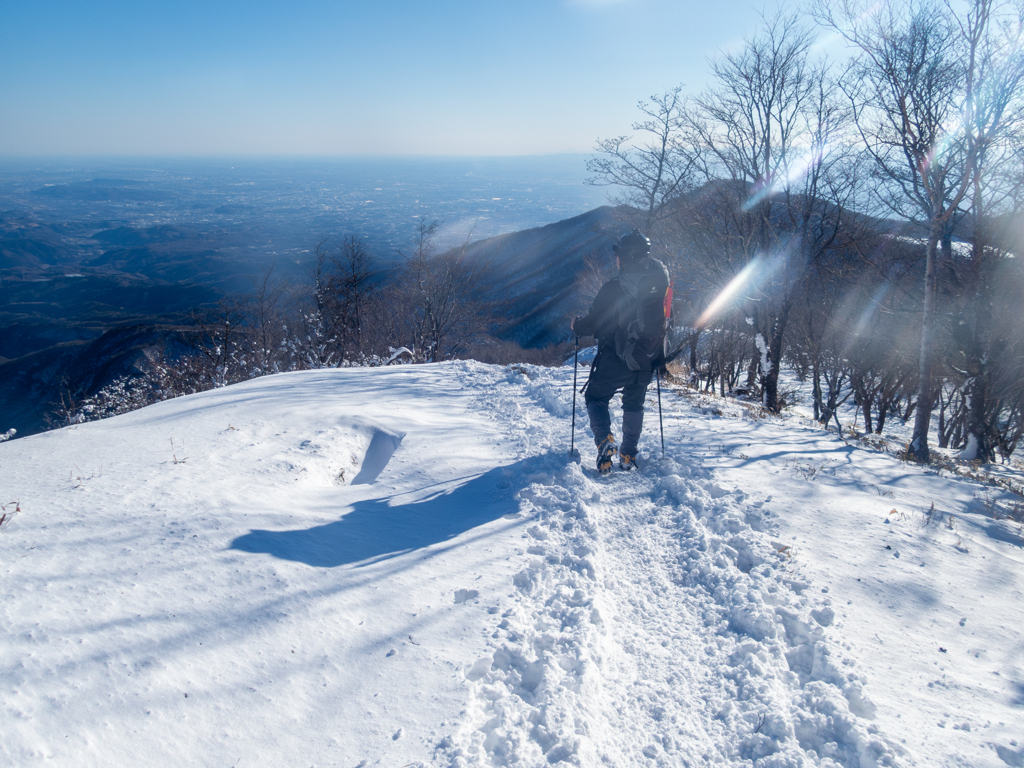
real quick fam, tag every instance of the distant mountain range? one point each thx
(536, 273)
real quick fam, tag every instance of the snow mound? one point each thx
(353, 452)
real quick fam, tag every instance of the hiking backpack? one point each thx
(643, 314)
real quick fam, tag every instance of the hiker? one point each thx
(628, 317)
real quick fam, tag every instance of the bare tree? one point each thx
(652, 172)
(349, 288)
(909, 87)
(441, 291)
(217, 342)
(993, 118)
(767, 138)
(313, 336)
(265, 326)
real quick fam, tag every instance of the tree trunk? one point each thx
(752, 370)
(816, 375)
(754, 322)
(770, 378)
(980, 445)
(883, 409)
(922, 420)
(981, 435)
(909, 411)
(694, 339)
(943, 435)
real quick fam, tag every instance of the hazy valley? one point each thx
(101, 261)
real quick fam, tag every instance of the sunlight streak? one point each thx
(794, 174)
(750, 280)
(949, 135)
(868, 315)
(727, 294)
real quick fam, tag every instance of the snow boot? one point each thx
(626, 461)
(605, 453)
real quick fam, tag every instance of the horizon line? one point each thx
(270, 156)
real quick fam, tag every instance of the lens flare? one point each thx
(951, 134)
(750, 280)
(868, 315)
(727, 294)
(785, 177)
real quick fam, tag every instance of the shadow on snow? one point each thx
(378, 529)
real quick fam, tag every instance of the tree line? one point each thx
(859, 220)
(431, 305)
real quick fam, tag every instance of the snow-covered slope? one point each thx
(404, 566)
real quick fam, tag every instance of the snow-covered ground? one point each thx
(404, 566)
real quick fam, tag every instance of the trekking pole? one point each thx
(657, 377)
(575, 366)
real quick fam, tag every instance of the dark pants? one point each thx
(611, 374)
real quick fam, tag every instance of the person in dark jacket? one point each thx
(610, 371)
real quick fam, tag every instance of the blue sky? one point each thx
(388, 77)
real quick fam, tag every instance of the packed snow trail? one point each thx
(656, 624)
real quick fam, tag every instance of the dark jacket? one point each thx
(635, 335)
(602, 320)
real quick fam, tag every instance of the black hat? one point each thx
(632, 246)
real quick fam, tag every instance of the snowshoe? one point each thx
(605, 453)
